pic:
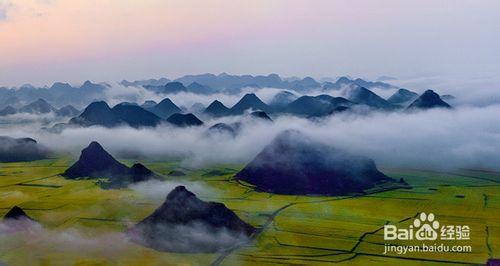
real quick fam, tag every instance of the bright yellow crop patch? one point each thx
(83, 224)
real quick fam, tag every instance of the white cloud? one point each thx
(463, 137)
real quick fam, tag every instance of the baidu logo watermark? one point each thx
(426, 228)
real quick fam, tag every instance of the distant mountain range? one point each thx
(356, 93)
(100, 114)
(40, 106)
(151, 114)
(145, 82)
(61, 94)
(210, 83)
(176, 87)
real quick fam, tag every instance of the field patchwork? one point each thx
(84, 224)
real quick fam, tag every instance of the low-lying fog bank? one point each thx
(463, 137)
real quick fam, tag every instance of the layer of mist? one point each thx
(463, 137)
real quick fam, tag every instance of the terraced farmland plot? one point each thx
(82, 223)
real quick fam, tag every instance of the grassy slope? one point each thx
(309, 230)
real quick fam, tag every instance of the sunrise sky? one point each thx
(42, 41)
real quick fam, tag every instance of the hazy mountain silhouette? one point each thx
(174, 87)
(320, 105)
(402, 96)
(196, 87)
(92, 88)
(68, 111)
(39, 106)
(136, 116)
(233, 83)
(371, 84)
(165, 109)
(184, 120)
(60, 94)
(429, 99)
(95, 162)
(205, 79)
(336, 110)
(171, 87)
(339, 84)
(186, 224)
(145, 82)
(8, 98)
(97, 113)
(86, 93)
(448, 97)
(222, 128)
(386, 78)
(216, 109)
(261, 115)
(295, 164)
(364, 96)
(344, 82)
(148, 104)
(249, 102)
(64, 94)
(271, 80)
(9, 110)
(330, 86)
(304, 84)
(282, 99)
(307, 105)
(61, 88)
(127, 103)
(21, 150)
(197, 108)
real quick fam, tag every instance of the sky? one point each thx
(42, 41)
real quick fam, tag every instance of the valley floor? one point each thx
(84, 224)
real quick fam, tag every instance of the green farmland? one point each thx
(294, 229)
